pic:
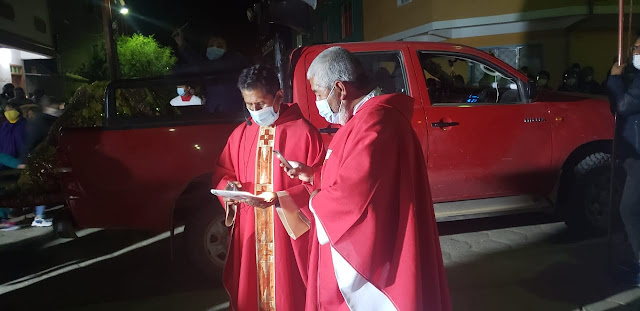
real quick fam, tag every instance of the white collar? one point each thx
(373, 93)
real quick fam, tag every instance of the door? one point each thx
(129, 173)
(484, 140)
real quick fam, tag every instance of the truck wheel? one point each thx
(207, 241)
(588, 202)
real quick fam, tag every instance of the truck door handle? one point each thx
(442, 124)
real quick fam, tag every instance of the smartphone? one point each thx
(282, 159)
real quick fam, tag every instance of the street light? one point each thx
(124, 11)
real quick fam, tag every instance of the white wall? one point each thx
(23, 24)
(8, 57)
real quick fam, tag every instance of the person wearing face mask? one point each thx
(269, 236)
(569, 82)
(376, 243)
(185, 97)
(625, 101)
(542, 80)
(587, 84)
(220, 97)
(12, 132)
(20, 98)
(8, 92)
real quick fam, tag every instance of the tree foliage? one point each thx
(142, 56)
(139, 56)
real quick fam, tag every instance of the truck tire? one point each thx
(588, 202)
(207, 241)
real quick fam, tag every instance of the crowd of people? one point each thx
(24, 124)
(575, 79)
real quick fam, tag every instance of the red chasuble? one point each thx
(267, 264)
(377, 244)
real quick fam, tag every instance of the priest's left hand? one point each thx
(269, 198)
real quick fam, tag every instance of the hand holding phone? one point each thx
(284, 161)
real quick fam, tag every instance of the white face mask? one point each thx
(265, 116)
(325, 110)
(636, 61)
(180, 91)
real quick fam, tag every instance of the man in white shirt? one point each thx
(185, 97)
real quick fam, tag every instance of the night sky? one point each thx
(226, 18)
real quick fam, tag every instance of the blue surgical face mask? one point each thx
(265, 116)
(325, 110)
(214, 53)
(181, 91)
(636, 61)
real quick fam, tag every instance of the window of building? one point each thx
(403, 2)
(325, 30)
(347, 20)
(456, 80)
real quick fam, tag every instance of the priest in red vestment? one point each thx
(377, 244)
(267, 264)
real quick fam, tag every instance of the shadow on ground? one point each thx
(533, 266)
(138, 275)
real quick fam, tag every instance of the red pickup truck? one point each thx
(492, 144)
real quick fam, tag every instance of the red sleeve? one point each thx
(224, 170)
(315, 156)
(294, 201)
(366, 170)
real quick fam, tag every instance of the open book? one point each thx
(235, 195)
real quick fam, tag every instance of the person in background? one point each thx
(221, 97)
(38, 95)
(30, 112)
(8, 92)
(542, 80)
(36, 132)
(569, 82)
(586, 83)
(185, 97)
(12, 134)
(5, 223)
(626, 102)
(525, 70)
(21, 98)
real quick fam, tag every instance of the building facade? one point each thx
(25, 34)
(540, 34)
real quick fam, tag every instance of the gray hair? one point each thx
(337, 64)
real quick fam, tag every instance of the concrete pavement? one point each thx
(523, 267)
(25, 234)
(537, 267)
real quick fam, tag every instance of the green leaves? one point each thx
(139, 56)
(142, 56)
